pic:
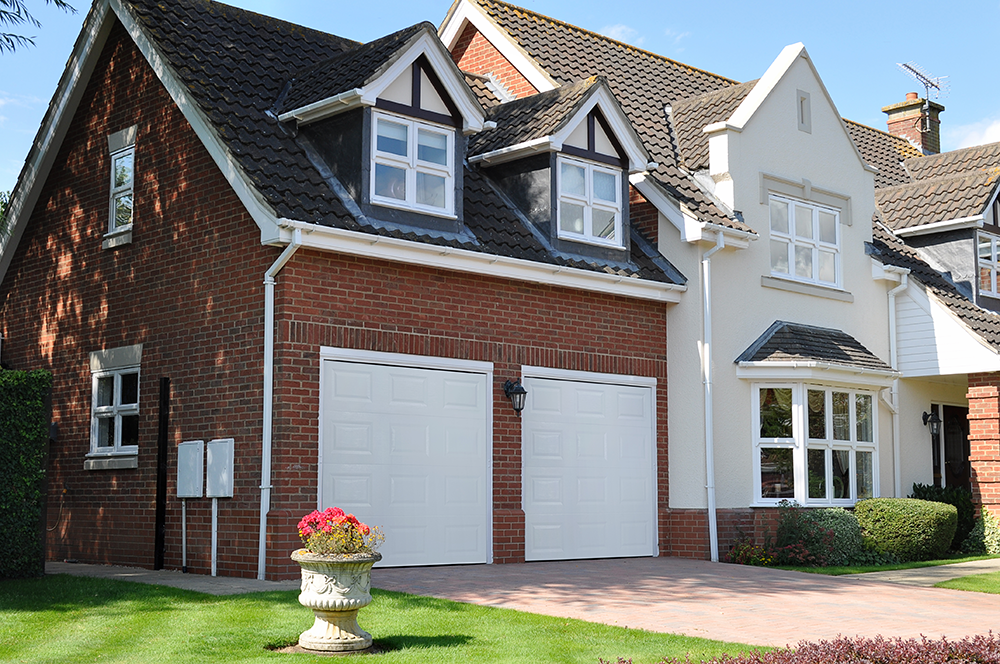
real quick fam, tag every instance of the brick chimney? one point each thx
(916, 120)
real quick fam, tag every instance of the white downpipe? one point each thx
(897, 474)
(265, 459)
(706, 372)
(215, 533)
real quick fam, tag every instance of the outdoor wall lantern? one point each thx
(934, 422)
(514, 391)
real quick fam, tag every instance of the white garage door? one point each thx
(408, 448)
(589, 470)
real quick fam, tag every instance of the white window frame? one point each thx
(792, 241)
(115, 363)
(589, 203)
(121, 191)
(992, 263)
(412, 165)
(800, 443)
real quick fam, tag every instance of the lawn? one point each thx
(980, 583)
(63, 618)
(839, 571)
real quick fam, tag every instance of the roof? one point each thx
(480, 86)
(883, 151)
(936, 199)
(795, 342)
(966, 160)
(644, 84)
(890, 250)
(532, 117)
(694, 114)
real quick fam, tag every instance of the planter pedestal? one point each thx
(335, 587)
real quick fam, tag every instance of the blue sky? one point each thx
(855, 49)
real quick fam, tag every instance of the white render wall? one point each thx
(770, 142)
(916, 396)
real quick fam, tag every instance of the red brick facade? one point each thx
(189, 289)
(474, 53)
(984, 439)
(689, 537)
(643, 215)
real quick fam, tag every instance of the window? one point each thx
(805, 241)
(824, 456)
(114, 427)
(412, 165)
(122, 178)
(590, 208)
(988, 261)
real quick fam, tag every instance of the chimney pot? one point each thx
(911, 96)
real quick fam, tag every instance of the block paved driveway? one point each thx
(710, 600)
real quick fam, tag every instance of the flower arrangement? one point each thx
(332, 532)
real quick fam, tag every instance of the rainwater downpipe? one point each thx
(706, 372)
(896, 456)
(265, 459)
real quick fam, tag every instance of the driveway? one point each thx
(716, 601)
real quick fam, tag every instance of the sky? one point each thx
(855, 49)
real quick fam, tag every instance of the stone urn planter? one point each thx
(335, 587)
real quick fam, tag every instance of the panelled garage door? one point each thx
(407, 448)
(589, 470)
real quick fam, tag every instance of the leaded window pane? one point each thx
(841, 416)
(817, 414)
(776, 412)
(777, 472)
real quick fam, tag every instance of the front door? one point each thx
(956, 446)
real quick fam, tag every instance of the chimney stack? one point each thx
(917, 121)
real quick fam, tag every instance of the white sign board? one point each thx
(219, 471)
(190, 469)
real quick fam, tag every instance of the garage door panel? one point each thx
(588, 470)
(407, 448)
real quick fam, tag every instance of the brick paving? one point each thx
(711, 600)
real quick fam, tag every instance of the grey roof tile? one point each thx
(883, 151)
(966, 160)
(481, 89)
(936, 199)
(693, 114)
(785, 342)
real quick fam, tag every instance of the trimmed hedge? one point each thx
(24, 436)
(908, 528)
(960, 497)
(985, 536)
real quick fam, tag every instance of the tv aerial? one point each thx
(936, 83)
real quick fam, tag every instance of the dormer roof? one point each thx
(545, 121)
(928, 204)
(967, 160)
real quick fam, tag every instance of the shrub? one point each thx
(24, 429)
(800, 539)
(848, 545)
(908, 528)
(960, 497)
(985, 536)
(745, 552)
(878, 650)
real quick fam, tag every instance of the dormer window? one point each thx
(590, 208)
(412, 165)
(989, 260)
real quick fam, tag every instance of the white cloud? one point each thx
(677, 38)
(623, 33)
(986, 130)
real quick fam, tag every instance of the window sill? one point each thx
(117, 239)
(583, 239)
(111, 462)
(806, 289)
(412, 208)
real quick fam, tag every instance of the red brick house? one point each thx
(235, 228)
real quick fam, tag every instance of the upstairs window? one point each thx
(805, 241)
(412, 165)
(122, 179)
(590, 202)
(988, 262)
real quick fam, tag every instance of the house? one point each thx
(336, 258)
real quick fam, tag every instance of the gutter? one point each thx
(706, 371)
(266, 437)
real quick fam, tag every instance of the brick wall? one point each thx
(188, 288)
(643, 215)
(984, 439)
(474, 53)
(387, 307)
(688, 530)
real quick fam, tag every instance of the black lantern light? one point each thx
(934, 422)
(514, 391)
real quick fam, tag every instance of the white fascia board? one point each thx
(467, 11)
(638, 158)
(975, 221)
(883, 272)
(324, 108)
(691, 229)
(510, 153)
(324, 238)
(587, 376)
(769, 81)
(256, 207)
(816, 371)
(54, 126)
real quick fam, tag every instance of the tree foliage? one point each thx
(14, 14)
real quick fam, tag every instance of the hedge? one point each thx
(908, 528)
(24, 436)
(960, 497)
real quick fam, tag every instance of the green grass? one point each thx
(979, 583)
(76, 619)
(839, 571)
